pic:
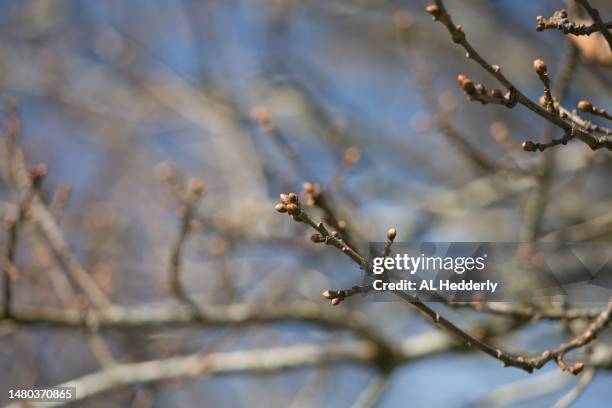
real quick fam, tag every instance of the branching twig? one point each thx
(25, 182)
(290, 204)
(439, 13)
(315, 196)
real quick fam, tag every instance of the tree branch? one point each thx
(439, 13)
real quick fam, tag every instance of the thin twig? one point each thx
(601, 26)
(559, 21)
(587, 106)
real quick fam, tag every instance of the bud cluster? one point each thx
(560, 21)
(290, 204)
(312, 193)
(337, 296)
(477, 91)
(434, 11)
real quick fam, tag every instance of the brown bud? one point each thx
(335, 301)
(262, 116)
(284, 198)
(335, 234)
(391, 234)
(281, 208)
(293, 198)
(40, 170)
(308, 187)
(496, 93)
(480, 88)
(433, 10)
(314, 190)
(293, 209)
(461, 78)
(540, 67)
(540, 23)
(529, 146)
(585, 106)
(543, 100)
(37, 173)
(329, 294)
(352, 155)
(468, 86)
(577, 368)
(195, 185)
(317, 238)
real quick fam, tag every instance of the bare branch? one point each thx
(290, 204)
(197, 365)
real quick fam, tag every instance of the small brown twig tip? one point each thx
(391, 234)
(529, 146)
